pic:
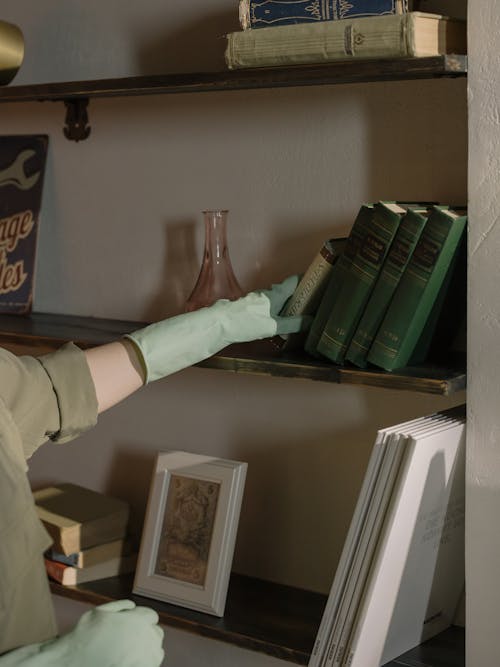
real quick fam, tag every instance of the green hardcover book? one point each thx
(354, 240)
(449, 307)
(402, 247)
(359, 281)
(419, 288)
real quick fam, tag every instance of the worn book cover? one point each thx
(93, 555)
(308, 294)
(262, 13)
(72, 576)
(415, 306)
(359, 281)
(410, 35)
(399, 254)
(336, 277)
(78, 518)
(22, 166)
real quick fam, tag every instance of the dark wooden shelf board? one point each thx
(260, 358)
(353, 71)
(444, 650)
(41, 332)
(270, 618)
(262, 616)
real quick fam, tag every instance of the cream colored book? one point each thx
(92, 555)
(78, 518)
(72, 576)
(415, 34)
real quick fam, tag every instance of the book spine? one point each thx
(359, 574)
(417, 291)
(356, 236)
(326, 41)
(396, 261)
(262, 13)
(58, 571)
(306, 298)
(359, 281)
(336, 594)
(71, 559)
(309, 292)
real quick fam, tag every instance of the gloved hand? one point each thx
(117, 634)
(170, 345)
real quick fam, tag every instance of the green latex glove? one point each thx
(117, 634)
(184, 340)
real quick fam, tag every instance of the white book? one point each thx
(417, 574)
(351, 544)
(395, 440)
(364, 498)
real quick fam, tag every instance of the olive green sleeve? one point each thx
(49, 397)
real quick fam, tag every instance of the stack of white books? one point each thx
(401, 573)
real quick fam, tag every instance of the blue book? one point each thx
(262, 13)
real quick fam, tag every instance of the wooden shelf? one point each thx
(260, 616)
(353, 71)
(42, 332)
(445, 650)
(76, 94)
(270, 618)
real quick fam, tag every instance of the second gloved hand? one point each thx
(184, 340)
(117, 633)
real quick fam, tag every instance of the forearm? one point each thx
(118, 369)
(116, 372)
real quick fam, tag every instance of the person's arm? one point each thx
(118, 369)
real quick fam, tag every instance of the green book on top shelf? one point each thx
(420, 290)
(402, 247)
(356, 236)
(359, 281)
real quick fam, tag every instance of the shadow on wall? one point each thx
(196, 46)
(127, 458)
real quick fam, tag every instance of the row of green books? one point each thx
(394, 287)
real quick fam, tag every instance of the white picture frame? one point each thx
(189, 533)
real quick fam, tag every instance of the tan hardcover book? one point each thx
(78, 518)
(415, 34)
(72, 576)
(93, 555)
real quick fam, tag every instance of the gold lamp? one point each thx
(11, 51)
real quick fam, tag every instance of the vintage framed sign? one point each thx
(22, 167)
(189, 534)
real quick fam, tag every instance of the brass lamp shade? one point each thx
(11, 51)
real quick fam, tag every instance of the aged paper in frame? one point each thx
(190, 530)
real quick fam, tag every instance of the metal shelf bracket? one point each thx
(76, 126)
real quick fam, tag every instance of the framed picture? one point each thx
(189, 533)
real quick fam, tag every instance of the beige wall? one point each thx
(121, 237)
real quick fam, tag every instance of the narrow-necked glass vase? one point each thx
(216, 279)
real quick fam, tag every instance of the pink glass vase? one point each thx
(216, 279)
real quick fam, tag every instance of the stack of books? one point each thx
(298, 32)
(395, 294)
(401, 574)
(89, 532)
